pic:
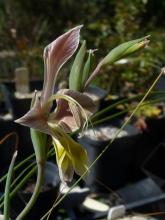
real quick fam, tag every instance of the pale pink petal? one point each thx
(69, 116)
(61, 110)
(78, 115)
(55, 55)
(84, 100)
(35, 118)
(68, 123)
(63, 117)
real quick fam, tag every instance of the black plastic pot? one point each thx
(116, 167)
(75, 198)
(36, 85)
(33, 84)
(45, 199)
(143, 196)
(10, 86)
(122, 162)
(154, 163)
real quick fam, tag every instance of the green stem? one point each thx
(23, 162)
(7, 188)
(125, 111)
(40, 178)
(23, 181)
(126, 100)
(18, 166)
(19, 186)
(108, 145)
(112, 106)
(110, 117)
(17, 180)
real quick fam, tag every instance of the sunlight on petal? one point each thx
(55, 55)
(63, 161)
(70, 155)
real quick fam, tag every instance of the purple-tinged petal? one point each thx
(68, 124)
(84, 100)
(35, 118)
(69, 116)
(55, 55)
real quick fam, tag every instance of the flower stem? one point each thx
(40, 178)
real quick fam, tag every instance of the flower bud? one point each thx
(124, 50)
(75, 78)
(87, 67)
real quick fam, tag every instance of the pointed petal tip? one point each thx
(22, 120)
(77, 28)
(18, 121)
(148, 36)
(80, 26)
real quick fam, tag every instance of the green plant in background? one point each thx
(24, 30)
(148, 111)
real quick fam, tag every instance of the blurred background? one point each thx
(26, 27)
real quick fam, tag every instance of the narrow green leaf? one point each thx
(7, 187)
(75, 78)
(23, 181)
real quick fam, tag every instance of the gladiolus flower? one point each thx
(71, 113)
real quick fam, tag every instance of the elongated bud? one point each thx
(75, 78)
(118, 53)
(125, 49)
(87, 67)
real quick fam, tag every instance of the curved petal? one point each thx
(84, 100)
(68, 124)
(35, 118)
(76, 155)
(55, 55)
(69, 116)
(64, 163)
(79, 157)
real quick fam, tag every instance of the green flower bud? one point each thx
(75, 77)
(118, 53)
(87, 67)
(124, 50)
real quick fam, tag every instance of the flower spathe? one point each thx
(73, 108)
